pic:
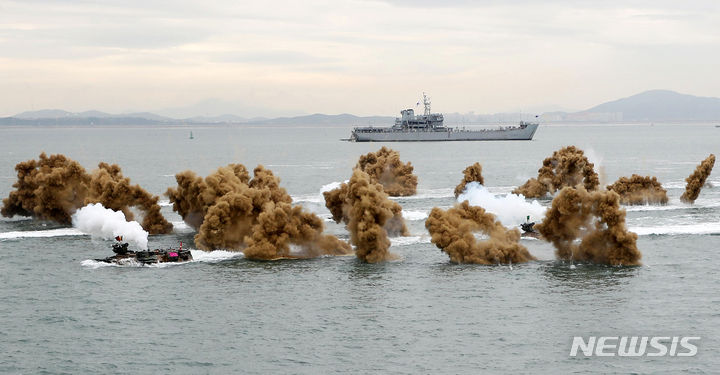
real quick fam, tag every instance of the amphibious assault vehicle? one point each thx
(529, 230)
(123, 255)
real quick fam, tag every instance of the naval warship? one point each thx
(429, 127)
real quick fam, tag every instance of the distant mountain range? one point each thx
(649, 106)
(60, 117)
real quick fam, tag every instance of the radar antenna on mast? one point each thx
(426, 102)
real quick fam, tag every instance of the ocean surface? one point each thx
(63, 313)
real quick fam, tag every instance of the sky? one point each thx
(365, 57)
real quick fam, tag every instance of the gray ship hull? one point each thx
(513, 133)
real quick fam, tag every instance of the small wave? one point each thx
(181, 227)
(321, 166)
(681, 184)
(706, 228)
(310, 198)
(640, 208)
(165, 204)
(414, 215)
(42, 233)
(332, 186)
(674, 185)
(214, 256)
(326, 217)
(317, 197)
(93, 264)
(16, 218)
(528, 238)
(429, 194)
(410, 240)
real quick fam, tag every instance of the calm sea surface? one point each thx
(61, 312)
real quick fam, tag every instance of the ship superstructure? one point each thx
(430, 127)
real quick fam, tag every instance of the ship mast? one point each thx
(426, 102)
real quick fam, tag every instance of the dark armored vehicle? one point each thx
(123, 255)
(529, 230)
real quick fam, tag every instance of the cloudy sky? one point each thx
(270, 58)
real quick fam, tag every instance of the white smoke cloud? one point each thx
(511, 209)
(98, 221)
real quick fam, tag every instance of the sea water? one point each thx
(62, 312)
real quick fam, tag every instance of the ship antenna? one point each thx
(426, 102)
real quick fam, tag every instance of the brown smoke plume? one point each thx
(639, 190)
(452, 232)
(281, 225)
(340, 202)
(595, 218)
(108, 186)
(51, 188)
(54, 186)
(472, 173)
(696, 180)
(230, 217)
(385, 167)
(364, 206)
(194, 195)
(233, 212)
(566, 167)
